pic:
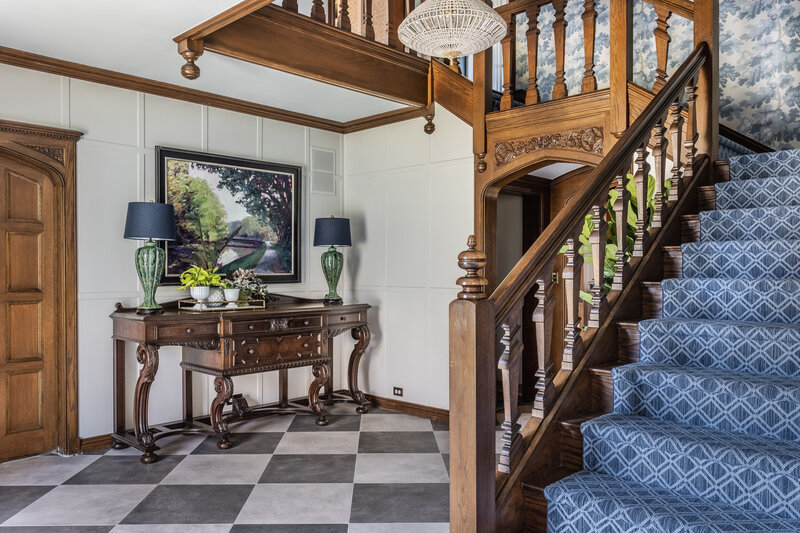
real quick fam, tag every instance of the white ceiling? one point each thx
(135, 37)
(555, 170)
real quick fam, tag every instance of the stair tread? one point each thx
(541, 480)
(766, 192)
(612, 504)
(764, 165)
(742, 259)
(765, 223)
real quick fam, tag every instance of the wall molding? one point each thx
(408, 408)
(60, 67)
(97, 443)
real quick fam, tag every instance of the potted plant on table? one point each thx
(249, 285)
(199, 282)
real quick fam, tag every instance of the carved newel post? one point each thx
(473, 286)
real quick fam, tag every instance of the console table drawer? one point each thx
(344, 318)
(275, 325)
(187, 330)
(276, 350)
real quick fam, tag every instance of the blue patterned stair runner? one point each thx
(705, 434)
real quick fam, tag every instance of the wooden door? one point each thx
(29, 350)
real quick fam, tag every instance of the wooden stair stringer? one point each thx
(626, 305)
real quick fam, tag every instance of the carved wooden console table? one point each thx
(291, 333)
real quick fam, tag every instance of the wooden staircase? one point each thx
(602, 386)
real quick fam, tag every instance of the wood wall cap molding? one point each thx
(588, 107)
(20, 128)
(683, 8)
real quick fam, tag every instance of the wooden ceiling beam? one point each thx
(290, 42)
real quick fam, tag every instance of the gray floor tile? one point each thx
(247, 443)
(289, 528)
(125, 470)
(298, 503)
(43, 470)
(337, 423)
(324, 442)
(262, 424)
(400, 468)
(310, 469)
(218, 469)
(81, 505)
(400, 502)
(14, 499)
(446, 458)
(443, 440)
(397, 442)
(373, 422)
(171, 528)
(400, 528)
(190, 504)
(56, 529)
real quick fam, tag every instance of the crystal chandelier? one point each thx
(451, 28)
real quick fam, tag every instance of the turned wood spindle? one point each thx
(663, 39)
(543, 321)
(344, 16)
(367, 30)
(393, 20)
(453, 64)
(509, 68)
(572, 275)
(597, 240)
(659, 170)
(690, 141)
(559, 37)
(621, 265)
(589, 82)
(473, 285)
(641, 180)
(532, 35)
(676, 149)
(318, 10)
(509, 366)
(290, 5)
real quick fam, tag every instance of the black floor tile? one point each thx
(400, 502)
(15, 499)
(125, 469)
(310, 469)
(446, 457)
(290, 528)
(250, 443)
(397, 442)
(190, 504)
(336, 423)
(438, 425)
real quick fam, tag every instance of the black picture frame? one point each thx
(200, 200)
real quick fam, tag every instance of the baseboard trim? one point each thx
(99, 442)
(408, 408)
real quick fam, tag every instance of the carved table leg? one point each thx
(224, 387)
(321, 373)
(362, 336)
(147, 355)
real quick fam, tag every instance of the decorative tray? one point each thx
(190, 304)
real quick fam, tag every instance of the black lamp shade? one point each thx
(332, 232)
(148, 220)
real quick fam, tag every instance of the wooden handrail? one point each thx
(524, 274)
(743, 140)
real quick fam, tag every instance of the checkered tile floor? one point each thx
(377, 473)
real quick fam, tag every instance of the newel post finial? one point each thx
(473, 285)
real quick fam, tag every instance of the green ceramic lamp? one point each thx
(332, 232)
(150, 222)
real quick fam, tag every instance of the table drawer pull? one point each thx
(305, 322)
(251, 351)
(189, 330)
(251, 327)
(305, 345)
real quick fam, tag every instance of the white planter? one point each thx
(200, 293)
(231, 296)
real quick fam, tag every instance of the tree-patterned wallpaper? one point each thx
(759, 60)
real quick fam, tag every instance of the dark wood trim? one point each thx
(99, 442)
(527, 185)
(382, 119)
(683, 8)
(408, 408)
(55, 151)
(744, 140)
(571, 174)
(228, 16)
(453, 91)
(319, 52)
(19, 58)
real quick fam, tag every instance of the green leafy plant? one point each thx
(200, 277)
(609, 267)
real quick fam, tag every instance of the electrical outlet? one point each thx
(397, 391)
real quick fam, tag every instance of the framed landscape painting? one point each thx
(231, 213)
